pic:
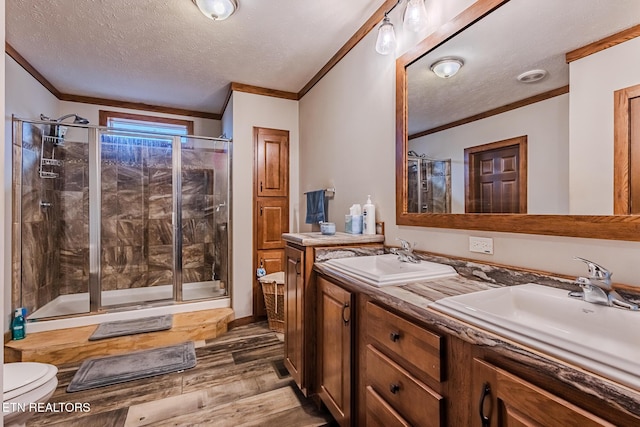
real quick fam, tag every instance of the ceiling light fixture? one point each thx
(217, 10)
(446, 67)
(414, 19)
(532, 76)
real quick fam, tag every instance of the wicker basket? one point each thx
(274, 300)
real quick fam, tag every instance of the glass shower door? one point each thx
(204, 218)
(136, 218)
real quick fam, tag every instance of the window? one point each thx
(143, 124)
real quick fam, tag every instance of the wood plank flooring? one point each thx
(235, 383)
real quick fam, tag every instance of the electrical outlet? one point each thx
(484, 245)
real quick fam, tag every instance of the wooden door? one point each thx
(335, 330)
(294, 316)
(273, 220)
(272, 162)
(271, 203)
(496, 177)
(508, 400)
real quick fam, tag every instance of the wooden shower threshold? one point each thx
(64, 346)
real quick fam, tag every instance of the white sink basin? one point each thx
(387, 270)
(602, 339)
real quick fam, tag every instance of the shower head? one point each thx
(76, 119)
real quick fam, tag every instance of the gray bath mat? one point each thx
(131, 327)
(104, 371)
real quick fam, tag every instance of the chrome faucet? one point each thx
(405, 253)
(597, 287)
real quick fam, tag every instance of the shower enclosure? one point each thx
(108, 220)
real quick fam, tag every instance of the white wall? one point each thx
(347, 125)
(546, 125)
(201, 127)
(251, 111)
(594, 79)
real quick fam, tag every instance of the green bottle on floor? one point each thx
(18, 327)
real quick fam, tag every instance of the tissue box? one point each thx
(353, 224)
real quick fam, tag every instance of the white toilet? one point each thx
(25, 383)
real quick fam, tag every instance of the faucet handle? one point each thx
(595, 270)
(404, 244)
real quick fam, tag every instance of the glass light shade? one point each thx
(415, 16)
(446, 67)
(217, 10)
(386, 42)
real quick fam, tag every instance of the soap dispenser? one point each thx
(369, 213)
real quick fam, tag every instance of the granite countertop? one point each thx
(340, 238)
(413, 300)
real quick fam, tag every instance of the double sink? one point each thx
(599, 338)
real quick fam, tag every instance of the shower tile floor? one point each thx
(238, 381)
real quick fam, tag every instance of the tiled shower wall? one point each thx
(136, 219)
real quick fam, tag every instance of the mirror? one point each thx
(568, 184)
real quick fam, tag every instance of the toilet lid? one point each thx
(20, 374)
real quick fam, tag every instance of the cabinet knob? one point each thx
(394, 388)
(394, 336)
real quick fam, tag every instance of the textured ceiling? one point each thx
(519, 36)
(165, 52)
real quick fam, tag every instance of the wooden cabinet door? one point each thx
(294, 339)
(272, 261)
(335, 330)
(507, 400)
(273, 220)
(272, 162)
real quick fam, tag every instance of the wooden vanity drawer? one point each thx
(415, 345)
(380, 413)
(411, 398)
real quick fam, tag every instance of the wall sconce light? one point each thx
(218, 10)
(386, 41)
(446, 67)
(414, 19)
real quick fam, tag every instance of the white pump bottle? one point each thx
(369, 220)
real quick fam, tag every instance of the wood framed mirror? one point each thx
(583, 218)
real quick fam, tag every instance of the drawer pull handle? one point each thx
(346, 319)
(394, 388)
(394, 336)
(486, 390)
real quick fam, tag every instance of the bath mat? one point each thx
(104, 371)
(131, 327)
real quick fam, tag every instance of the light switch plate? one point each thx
(483, 245)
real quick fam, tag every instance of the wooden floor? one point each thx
(238, 381)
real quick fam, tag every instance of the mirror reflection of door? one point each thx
(496, 177)
(626, 180)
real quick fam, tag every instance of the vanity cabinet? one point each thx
(403, 371)
(301, 297)
(335, 349)
(508, 400)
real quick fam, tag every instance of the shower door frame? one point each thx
(95, 215)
